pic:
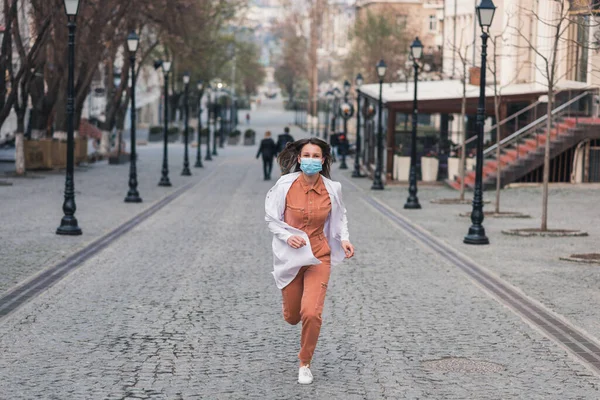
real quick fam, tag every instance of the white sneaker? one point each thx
(305, 376)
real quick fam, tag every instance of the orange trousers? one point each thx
(303, 300)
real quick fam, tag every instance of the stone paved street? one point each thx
(184, 306)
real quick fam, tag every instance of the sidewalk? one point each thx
(532, 264)
(31, 209)
(184, 306)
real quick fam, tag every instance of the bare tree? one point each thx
(28, 49)
(494, 69)
(462, 52)
(553, 22)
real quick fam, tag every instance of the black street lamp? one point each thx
(208, 157)
(356, 173)
(164, 179)
(133, 195)
(328, 100)
(186, 125)
(318, 117)
(377, 182)
(68, 223)
(221, 131)
(368, 113)
(200, 87)
(346, 112)
(337, 94)
(412, 203)
(215, 109)
(476, 235)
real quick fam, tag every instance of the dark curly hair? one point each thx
(288, 158)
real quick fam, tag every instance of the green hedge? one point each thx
(155, 130)
(249, 133)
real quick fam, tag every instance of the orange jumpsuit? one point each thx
(307, 208)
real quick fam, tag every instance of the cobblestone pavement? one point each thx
(31, 209)
(532, 264)
(184, 306)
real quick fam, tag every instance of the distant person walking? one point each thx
(284, 139)
(305, 213)
(268, 149)
(247, 118)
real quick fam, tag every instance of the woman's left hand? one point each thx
(348, 248)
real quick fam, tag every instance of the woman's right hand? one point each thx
(296, 242)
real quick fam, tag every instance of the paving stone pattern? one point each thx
(532, 264)
(32, 208)
(184, 306)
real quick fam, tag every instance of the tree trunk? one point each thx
(20, 143)
(544, 226)
(20, 153)
(104, 143)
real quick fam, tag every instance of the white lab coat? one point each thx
(287, 261)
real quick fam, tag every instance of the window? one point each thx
(577, 53)
(432, 23)
(401, 20)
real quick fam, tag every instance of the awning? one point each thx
(445, 96)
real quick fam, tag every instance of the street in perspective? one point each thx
(280, 199)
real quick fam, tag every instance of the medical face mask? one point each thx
(311, 166)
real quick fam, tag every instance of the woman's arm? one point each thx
(273, 215)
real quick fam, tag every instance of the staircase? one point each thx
(523, 151)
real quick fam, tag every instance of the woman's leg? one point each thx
(316, 279)
(292, 298)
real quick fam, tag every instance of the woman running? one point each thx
(305, 213)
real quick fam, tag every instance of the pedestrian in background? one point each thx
(298, 208)
(247, 118)
(284, 139)
(268, 149)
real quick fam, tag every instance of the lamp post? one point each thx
(377, 182)
(476, 235)
(317, 116)
(164, 179)
(200, 87)
(68, 223)
(208, 157)
(412, 203)
(133, 195)
(337, 94)
(368, 113)
(328, 100)
(186, 125)
(215, 109)
(221, 132)
(356, 173)
(346, 112)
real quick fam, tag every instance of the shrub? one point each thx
(249, 133)
(235, 133)
(155, 130)
(173, 131)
